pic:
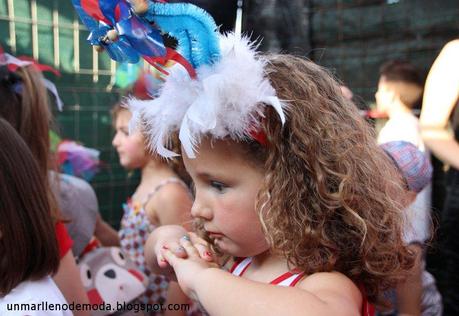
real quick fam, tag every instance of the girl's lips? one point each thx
(214, 234)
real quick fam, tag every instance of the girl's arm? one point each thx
(221, 293)
(441, 94)
(106, 234)
(69, 283)
(168, 236)
(409, 293)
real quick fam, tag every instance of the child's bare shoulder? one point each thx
(172, 191)
(333, 287)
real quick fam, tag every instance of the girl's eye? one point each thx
(220, 187)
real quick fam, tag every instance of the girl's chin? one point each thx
(230, 248)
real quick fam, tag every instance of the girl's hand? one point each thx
(166, 236)
(187, 269)
(174, 245)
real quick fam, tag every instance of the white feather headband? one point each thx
(226, 100)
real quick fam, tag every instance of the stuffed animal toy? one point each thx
(110, 279)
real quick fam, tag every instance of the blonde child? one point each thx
(290, 187)
(29, 250)
(161, 198)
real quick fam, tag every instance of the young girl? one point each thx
(29, 252)
(24, 104)
(289, 184)
(160, 199)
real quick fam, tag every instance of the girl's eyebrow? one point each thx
(204, 175)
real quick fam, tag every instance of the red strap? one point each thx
(367, 308)
(281, 278)
(237, 262)
(285, 276)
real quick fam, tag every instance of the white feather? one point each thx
(226, 100)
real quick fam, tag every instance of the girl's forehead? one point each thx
(215, 151)
(123, 116)
(217, 148)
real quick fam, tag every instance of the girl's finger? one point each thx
(190, 249)
(202, 246)
(169, 256)
(204, 252)
(177, 249)
(162, 263)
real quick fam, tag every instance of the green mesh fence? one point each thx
(50, 32)
(354, 38)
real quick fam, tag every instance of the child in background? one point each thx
(289, 185)
(29, 252)
(161, 198)
(418, 295)
(399, 91)
(25, 105)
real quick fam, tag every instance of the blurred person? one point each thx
(440, 111)
(418, 294)
(25, 106)
(161, 198)
(347, 93)
(29, 254)
(400, 89)
(75, 197)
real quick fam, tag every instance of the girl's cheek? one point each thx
(133, 145)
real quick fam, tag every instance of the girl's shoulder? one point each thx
(169, 202)
(163, 191)
(333, 286)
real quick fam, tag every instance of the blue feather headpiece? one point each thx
(224, 90)
(132, 29)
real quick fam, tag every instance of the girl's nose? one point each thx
(198, 210)
(115, 141)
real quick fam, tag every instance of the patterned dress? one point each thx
(134, 232)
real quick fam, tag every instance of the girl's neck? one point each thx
(268, 260)
(266, 267)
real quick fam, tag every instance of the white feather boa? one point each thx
(226, 100)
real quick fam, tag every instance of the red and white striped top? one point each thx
(286, 279)
(290, 279)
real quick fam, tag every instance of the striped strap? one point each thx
(240, 265)
(288, 279)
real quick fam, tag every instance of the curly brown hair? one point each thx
(329, 201)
